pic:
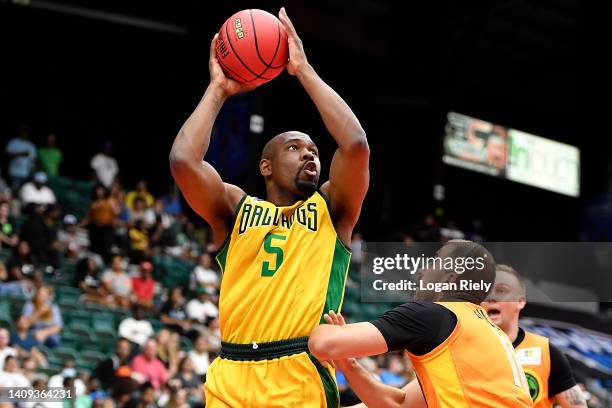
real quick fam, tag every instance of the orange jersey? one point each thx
(534, 355)
(474, 367)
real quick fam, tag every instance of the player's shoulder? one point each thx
(536, 338)
(423, 308)
(235, 194)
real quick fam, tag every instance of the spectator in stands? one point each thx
(199, 356)
(451, 231)
(107, 370)
(26, 342)
(44, 317)
(95, 390)
(186, 377)
(149, 367)
(68, 371)
(393, 374)
(88, 280)
(429, 230)
(123, 389)
(101, 220)
(178, 399)
(20, 288)
(37, 191)
(144, 399)
(169, 350)
(186, 239)
(21, 152)
(135, 328)
(73, 240)
(203, 275)
(116, 282)
(142, 192)
(139, 242)
(29, 369)
(144, 285)
(8, 232)
(35, 233)
(116, 192)
(4, 277)
(173, 312)
(5, 190)
(202, 308)
(52, 227)
(140, 212)
(100, 402)
(171, 203)
(213, 334)
(50, 157)
(11, 376)
(105, 166)
(5, 350)
(21, 263)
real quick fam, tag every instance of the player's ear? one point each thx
(265, 167)
(522, 302)
(450, 277)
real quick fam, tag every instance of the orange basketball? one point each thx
(252, 47)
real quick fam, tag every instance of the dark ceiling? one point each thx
(132, 71)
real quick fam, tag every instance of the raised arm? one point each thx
(349, 174)
(199, 182)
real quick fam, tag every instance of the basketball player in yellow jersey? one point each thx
(548, 372)
(284, 259)
(461, 359)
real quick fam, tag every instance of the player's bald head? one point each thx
(279, 140)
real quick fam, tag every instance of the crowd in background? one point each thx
(111, 248)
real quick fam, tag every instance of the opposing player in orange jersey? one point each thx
(548, 372)
(461, 358)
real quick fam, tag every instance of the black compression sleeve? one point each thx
(561, 377)
(418, 327)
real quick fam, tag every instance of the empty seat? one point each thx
(65, 353)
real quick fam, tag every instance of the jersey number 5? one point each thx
(274, 250)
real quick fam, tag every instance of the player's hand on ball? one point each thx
(297, 56)
(337, 319)
(227, 85)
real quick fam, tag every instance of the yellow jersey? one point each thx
(534, 355)
(474, 367)
(283, 268)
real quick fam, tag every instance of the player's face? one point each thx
(505, 301)
(296, 165)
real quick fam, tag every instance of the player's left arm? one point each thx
(561, 382)
(572, 398)
(349, 174)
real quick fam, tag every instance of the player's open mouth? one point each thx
(493, 312)
(310, 168)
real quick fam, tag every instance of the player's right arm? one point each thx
(372, 392)
(199, 182)
(375, 394)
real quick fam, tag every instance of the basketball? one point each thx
(252, 47)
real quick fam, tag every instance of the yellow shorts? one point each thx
(297, 381)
